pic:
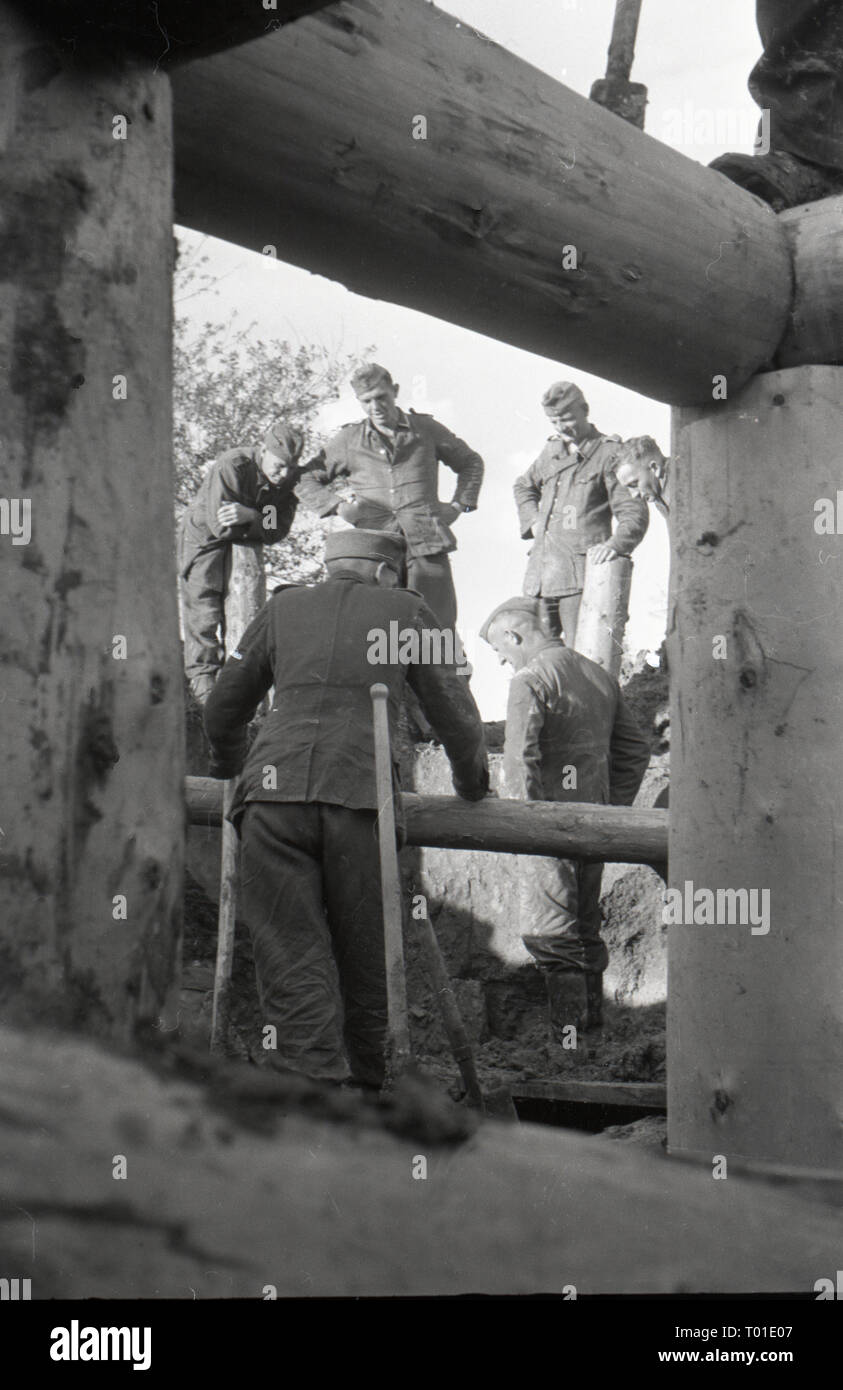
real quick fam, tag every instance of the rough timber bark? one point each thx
(245, 597)
(611, 834)
(303, 141)
(603, 613)
(211, 1209)
(93, 770)
(755, 1021)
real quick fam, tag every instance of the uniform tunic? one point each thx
(306, 806)
(566, 501)
(396, 485)
(569, 737)
(204, 547)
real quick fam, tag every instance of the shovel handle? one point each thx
(396, 982)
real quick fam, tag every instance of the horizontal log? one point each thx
(638, 1095)
(611, 834)
(166, 31)
(527, 213)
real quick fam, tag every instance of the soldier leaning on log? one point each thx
(569, 737)
(392, 461)
(246, 497)
(306, 803)
(566, 501)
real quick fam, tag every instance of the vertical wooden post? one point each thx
(92, 818)
(755, 1009)
(603, 612)
(246, 595)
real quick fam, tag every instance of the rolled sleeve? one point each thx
(314, 487)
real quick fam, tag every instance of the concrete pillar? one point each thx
(92, 816)
(755, 1011)
(603, 612)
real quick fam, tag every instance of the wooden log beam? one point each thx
(165, 31)
(93, 719)
(612, 834)
(755, 644)
(392, 148)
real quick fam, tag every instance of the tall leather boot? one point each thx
(594, 1000)
(566, 999)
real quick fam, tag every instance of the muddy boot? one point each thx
(593, 1000)
(781, 179)
(567, 1002)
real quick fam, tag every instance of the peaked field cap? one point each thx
(357, 544)
(368, 376)
(562, 393)
(521, 604)
(283, 439)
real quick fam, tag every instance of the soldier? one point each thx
(245, 497)
(392, 460)
(569, 737)
(306, 803)
(644, 471)
(566, 501)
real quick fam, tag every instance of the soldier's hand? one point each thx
(234, 514)
(349, 511)
(599, 553)
(448, 512)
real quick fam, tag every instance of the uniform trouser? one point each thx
(561, 614)
(799, 77)
(559, 901)
(203, 611)
(430, 575)
(310, 885)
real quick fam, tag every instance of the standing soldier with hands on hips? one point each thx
(566, 501)
(392, 461)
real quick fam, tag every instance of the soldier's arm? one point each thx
(465, 462)
(274, 521)
(631, 515)
(449, 706)
(239, 688)
(225, 486)
(629, 757)
(527, 498)
(522, 769)
(315, 487)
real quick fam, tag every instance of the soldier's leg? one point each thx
(564, 943)
(549, 615)
(352, 878)
(431, 576)
(799, 81)
(594, 947)
(281, 887)
(202, 592)
(569, 611)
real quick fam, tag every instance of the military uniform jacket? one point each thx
(235, 477)
(566, 501)
(565, 712)
(317, 743)
(396, 481)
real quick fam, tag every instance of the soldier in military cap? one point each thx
(566, 501)
(247, 496)
(306, 802)
(392, 460)
(569, 737)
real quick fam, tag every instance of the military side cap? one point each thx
(284, 440)
(562, 393)
(367, 377)
(521, 604)
(357, 544)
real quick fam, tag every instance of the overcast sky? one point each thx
(694, 56)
